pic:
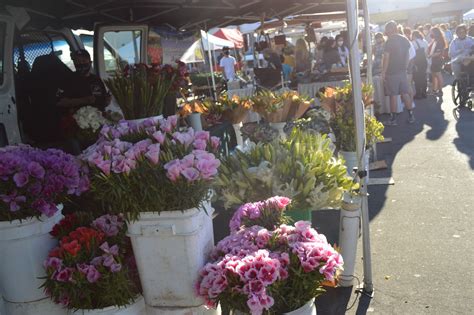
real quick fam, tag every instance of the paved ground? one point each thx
(422, 227)
(422, 232)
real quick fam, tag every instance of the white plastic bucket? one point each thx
(41, 307)
(351, 161)
(170, 248)
(307, 309)
(136, 308)
(195, 121)
(201, 310)
(238, 134)
(23, 248)
(280, 127)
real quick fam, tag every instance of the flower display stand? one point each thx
(136, 308)
(350, 219)
(24, 246)
(170, 248)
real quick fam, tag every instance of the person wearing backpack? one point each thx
(421, 64)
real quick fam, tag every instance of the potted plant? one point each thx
(280, 270)
(279, 108)
(89, 272)
(235, 110)
(159, 178)
(34, 185)
(339, 102)
(301, 167)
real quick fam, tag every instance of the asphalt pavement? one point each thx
(421, 228)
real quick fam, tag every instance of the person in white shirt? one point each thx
(460, 47)
(228, 64)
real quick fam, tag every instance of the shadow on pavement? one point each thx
(465, 134)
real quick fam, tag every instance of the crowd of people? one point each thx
(411, 61)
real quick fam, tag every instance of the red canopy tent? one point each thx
(232, 34)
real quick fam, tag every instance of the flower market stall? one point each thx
(146, 242)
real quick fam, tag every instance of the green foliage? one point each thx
(140, 93)
(205, 79)
(302, 168)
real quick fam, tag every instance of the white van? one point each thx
(33, 62)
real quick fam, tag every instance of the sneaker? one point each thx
(391, 122)
(411, 118)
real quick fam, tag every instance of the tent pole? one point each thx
(368, 45)
(212, 67)
(352, 27)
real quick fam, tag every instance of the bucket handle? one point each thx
(165, 230)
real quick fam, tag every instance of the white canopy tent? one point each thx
(469, 15)
(214, 41)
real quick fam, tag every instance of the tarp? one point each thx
(469, 15)
(216, 42)
(232, 34)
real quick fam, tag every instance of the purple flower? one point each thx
(108, 261)
(97, 261)
(173, 169)
(191, 174)
(35, 188)
(200, 144)
(13, 200)
(160, 137)
(64, 275)
(153, 153)
(109, 250)
(105, 166)
(185, 138)
(215, 142)
(92, 274)
(109, 224)
(36, 170)
(46, 208)
(202, 135)
(20, 179)
(53, 262)
(115, 268)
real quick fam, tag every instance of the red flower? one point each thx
(64, 225)
(72, 247)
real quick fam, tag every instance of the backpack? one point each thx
(420, 57)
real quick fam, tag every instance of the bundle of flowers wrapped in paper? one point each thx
(210, 111)
(278, 107)
(301, 167)
(33, 181)
(235, 109)
(268, 271)
(152, 166)
(338, 101)
(92, 268)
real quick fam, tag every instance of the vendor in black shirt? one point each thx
(83, 88)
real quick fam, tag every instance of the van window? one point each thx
(88, 42)
(125, 46)
(3, 27)
(35, 44)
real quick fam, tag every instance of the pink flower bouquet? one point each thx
(152, 166)
(89, 269)
(259, 271)
(33, 181)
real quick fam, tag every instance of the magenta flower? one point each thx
(20, 179)
(191, 174)
(36, 170)
(153, 153)
(173, 169)
(160, 137)
(53, 262)
(64, 275)
(105, 167)
(202, 135)
(200, 144)
(93, 275)
(215, 143)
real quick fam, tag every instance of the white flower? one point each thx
(89, 117)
